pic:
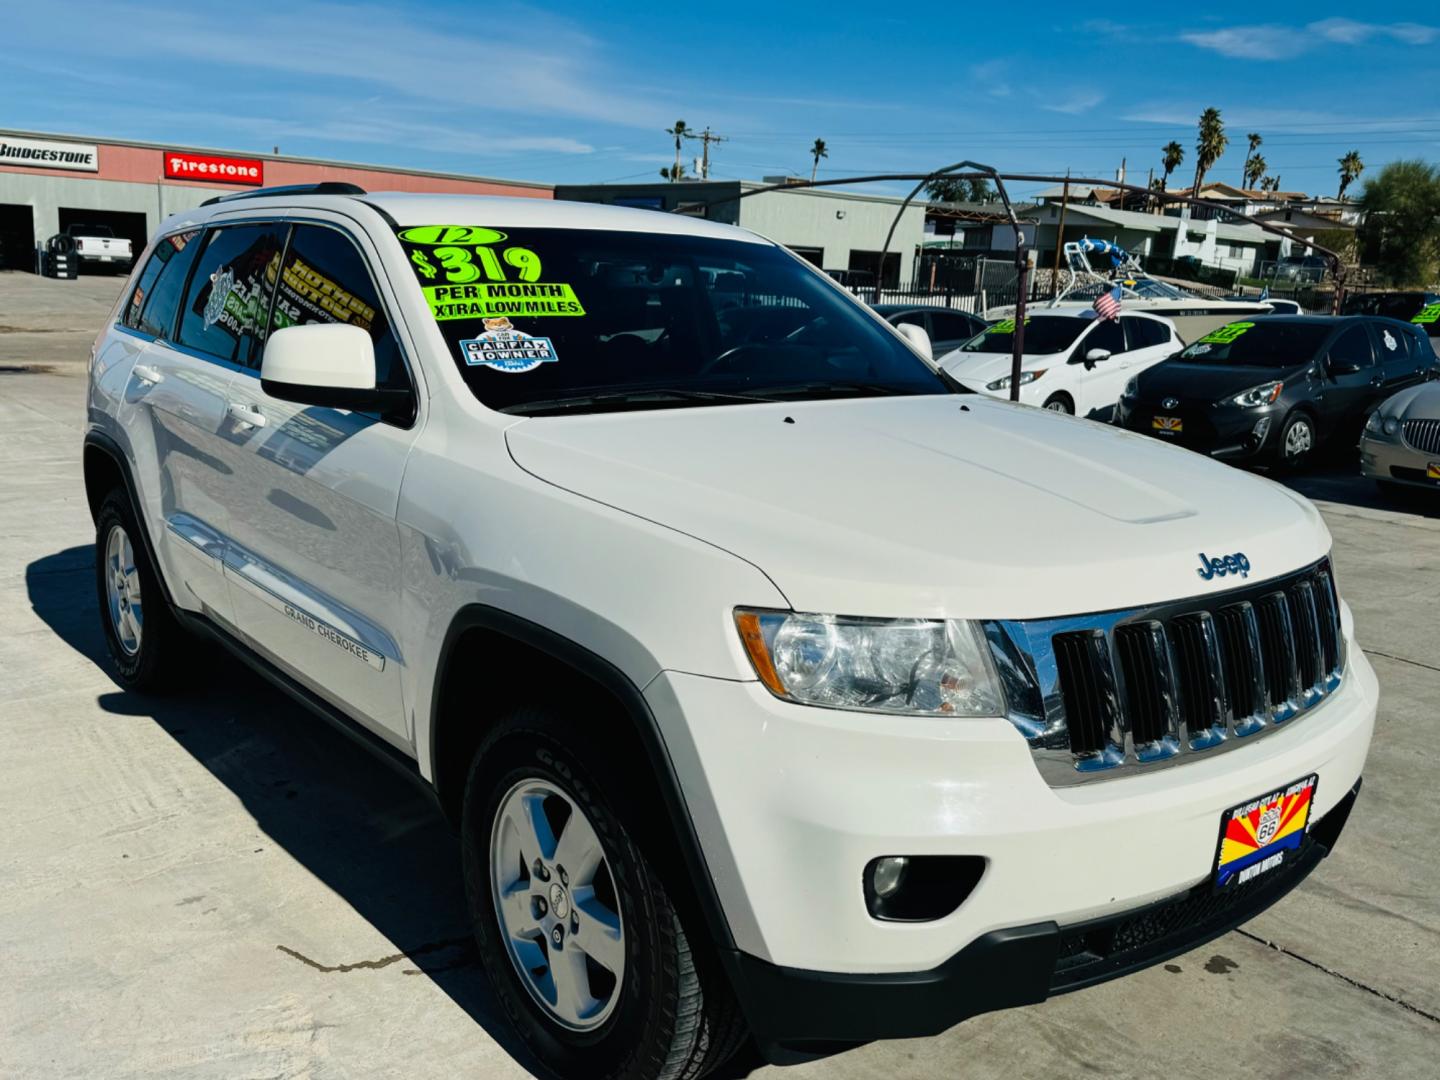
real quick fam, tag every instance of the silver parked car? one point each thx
(1401, 441)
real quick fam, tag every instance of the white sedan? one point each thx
(1074, 361)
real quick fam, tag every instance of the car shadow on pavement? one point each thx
(1342, 483)
(368, 833)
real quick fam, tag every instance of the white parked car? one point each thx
(98, 245)
(1074, 361)
(735, 640)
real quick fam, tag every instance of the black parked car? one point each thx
(948, 328)
(1272, 389)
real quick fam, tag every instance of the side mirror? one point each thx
(1340, 367)
(919, 340)
(1095, 356)
(327, 364)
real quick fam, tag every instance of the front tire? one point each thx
(149, 648)
(1060, 403)
(582, 942)
(1297, 442)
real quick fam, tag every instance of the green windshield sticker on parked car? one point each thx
(1225, 334)
(1005, 326)
(465, 273)
(1428, 314)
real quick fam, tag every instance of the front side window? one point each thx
(156, 299)
(324, 279)
(1107, 335)
(229, 295)
(1352, 348)
(543, 320)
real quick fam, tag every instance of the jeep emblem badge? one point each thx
(1219, 567)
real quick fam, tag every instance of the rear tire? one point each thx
(150, 650)
(652, 1002)
(1060, 403)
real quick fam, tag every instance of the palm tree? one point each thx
(680, 131)
(673, 172)
(1172, 155)
(1255, 140)
(1350, 169)
(1210, 143)
(1254, 170)
(817, 152)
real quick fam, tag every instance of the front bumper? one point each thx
(791, 802)
(1229, 433)
(1390, 459)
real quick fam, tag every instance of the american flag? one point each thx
(1108, 306)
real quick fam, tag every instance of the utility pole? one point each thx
(706, 137)
(1060, 232)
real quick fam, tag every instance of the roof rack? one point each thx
(326, 187)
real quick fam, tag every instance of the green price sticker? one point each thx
(488, 300)
(1226, 334)
(1428, 314)
(1005, 326)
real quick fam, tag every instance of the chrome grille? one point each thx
(1097, 694)
(1423, 435)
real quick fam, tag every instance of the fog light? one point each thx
(885, 878)
(1262, 428)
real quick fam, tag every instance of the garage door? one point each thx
(17, 237)
(125, 224)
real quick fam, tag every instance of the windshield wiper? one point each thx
(879, 389)
(623, 397)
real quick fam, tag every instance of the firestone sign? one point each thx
(223, 170)
(49, 154)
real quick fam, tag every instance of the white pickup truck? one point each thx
(99, 244)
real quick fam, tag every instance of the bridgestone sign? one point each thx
(44, 154)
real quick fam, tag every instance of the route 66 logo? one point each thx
(1268, 826)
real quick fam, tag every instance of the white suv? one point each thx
(779, 688)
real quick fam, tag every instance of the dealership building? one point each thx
(49, 182)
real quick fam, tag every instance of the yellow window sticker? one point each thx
(471, 272)
(1428, 314)
(1005, 326)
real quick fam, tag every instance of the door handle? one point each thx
(147, 374)
(246, 416)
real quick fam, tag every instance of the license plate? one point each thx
(1167, 424)
(107, 258)
(1262, 835)
(1433, 470)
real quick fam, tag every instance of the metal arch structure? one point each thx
(1022, 263)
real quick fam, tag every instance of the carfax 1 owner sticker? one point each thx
(472, 273)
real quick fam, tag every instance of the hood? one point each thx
(1208, 382)
(954, 505)
(1416, 403)
(984, 367)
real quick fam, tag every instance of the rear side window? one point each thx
(229, 295)
(1143, 333)
(151, 308)
(1353, 347)
(324, 279)
(951, 327)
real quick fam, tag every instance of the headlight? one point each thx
(1391, 425)
(1372, 423)
(926, 667)
(1263, 394)
(1003, 383)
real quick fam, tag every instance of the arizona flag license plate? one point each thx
(1261, 835)
(1167, 424)
(1432, 471)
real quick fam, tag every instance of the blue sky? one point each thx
(581, 93)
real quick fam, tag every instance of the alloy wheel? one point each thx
(556, 904)
(1298, 439)
(122, 586)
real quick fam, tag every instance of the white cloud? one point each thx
(991, 75)
(1270, 41)
(1081, 102)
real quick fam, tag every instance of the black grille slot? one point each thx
(1082, 686)
(1328, 607)
(1277, 648)
(1196, 673)
(1305, 619)
(1238, 660)
(1147, 703)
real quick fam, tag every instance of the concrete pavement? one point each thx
(217, 885)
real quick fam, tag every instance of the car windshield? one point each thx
(1259, 344)
(549, 320)
(92, 230)
(1043, 334)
